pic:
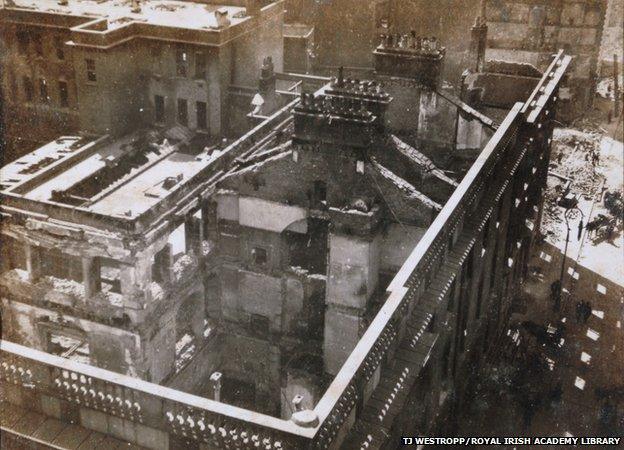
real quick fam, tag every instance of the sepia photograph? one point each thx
(311, 224)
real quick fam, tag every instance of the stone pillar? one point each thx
(192, 232)
(352, 279)
(91, 276)
(33, 262)
(478, 39)
(162, 264)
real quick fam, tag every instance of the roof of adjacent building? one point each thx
(154, 12)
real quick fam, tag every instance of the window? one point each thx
(63, 95)
(91, 75)
(22, 42)
(110, 275)
(259, 256)
(259, 325)
(181, 63)
(43, 90)
(28, 89)
(432, 324)
(201, 115)
(159, 108)
(320, 191)
(200, 65)
(451, 302)
(485, 236)
(182, 111)
(59, 46)
(38, 44)
(68, 344)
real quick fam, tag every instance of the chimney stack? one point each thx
(410, 56)
(223, 21)
(136, 6)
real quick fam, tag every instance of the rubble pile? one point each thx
(605, 87)
(575, 157)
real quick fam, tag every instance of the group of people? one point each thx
(583, 311)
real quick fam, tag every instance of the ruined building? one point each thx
(516, 31)
(167, 62)
(324, 281)
(532, 31)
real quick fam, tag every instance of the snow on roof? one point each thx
(173, 13)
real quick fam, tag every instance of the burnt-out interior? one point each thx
(82, 192)
(309, 251)
(57, 264)
(13, 255)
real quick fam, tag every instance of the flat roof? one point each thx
(146, 189)
(42, 159)
(130, 189)
(171, 13)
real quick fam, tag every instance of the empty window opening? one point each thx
(451, 301)
(161, 265)
(13, 254)
(308, 250)
(181, 63)
(59, 46)
(485, 236)
(259, 325)
(259, 256)
(91, 74)
(60, 265)
(201, 115)
(320, 191)
(43, 90)
(23, 39)
(432, 324)
(185, 349)
(200, 65)
(68, 345)
(110, 271)
(182, 111)
(177, 240)
(38, 44)
(159, 108)
(186, 341)
(28, 89)
(63, 94)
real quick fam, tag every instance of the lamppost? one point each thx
(567, 216)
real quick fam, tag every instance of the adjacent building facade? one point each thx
(154, 63)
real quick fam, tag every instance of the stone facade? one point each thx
(151, 68)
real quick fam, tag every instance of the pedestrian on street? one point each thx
(587, 311)
(579, 311)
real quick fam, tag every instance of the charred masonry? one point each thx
(340, 262)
